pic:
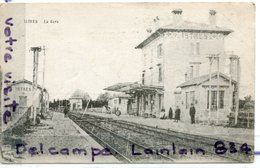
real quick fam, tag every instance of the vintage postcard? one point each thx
(127, 82)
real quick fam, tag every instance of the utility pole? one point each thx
(230, 84)
(238, 85)
(210, 65)
(234, 58)
(217, 90)
(36, 51)
(43, 103)
(213, 57)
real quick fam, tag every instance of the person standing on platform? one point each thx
(192, 113)
(170, 113)
(177, 114)
(162, 114)
(66, 111)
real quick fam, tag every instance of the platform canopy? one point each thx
(134, 87)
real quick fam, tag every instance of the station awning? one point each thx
(135, 87)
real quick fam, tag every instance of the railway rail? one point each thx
(133, 143)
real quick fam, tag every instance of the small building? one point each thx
(120, 102)
(139, 103)
(212, 100)
(23, 94)
(76, 104)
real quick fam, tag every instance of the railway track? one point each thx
(154, 145)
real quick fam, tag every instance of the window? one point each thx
(191, 48)
(214, 100)
(189, 98)
(151, 57)
(160, 51)
(197, 48)
(145, 102)
(194, 48)
(160, 101)
(159, 73)
(151, 76)
(221, 99)
(191, 71)
(186, 77)
(143, 77)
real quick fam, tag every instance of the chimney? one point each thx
(212, 17)
(177, 16)
(156, 23)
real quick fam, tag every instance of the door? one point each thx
(152, 103)
(22, 104)
(138, 104)
(74, 106)
(23, 101)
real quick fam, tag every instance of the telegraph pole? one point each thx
(238, 85)
(213, 57)
(210, 65)
(217, 90)
(43, 103)
(36, 51)
(230, 84)
(236, 59)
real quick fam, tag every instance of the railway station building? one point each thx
(76, 103)
(121, 102)
(23, 94)
(185, 62)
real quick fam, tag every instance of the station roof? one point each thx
(28, 82)
(201, 79)
(117, 87)
(185, 26)
(121, 95)
(132, 87)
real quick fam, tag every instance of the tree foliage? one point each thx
(55, 104)
(104, 97)
(247, 103)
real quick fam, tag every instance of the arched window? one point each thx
(160, 51)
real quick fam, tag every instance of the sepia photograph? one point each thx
(127, 82)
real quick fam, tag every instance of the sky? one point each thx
(93, 45)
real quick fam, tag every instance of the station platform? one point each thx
(57, 133)
(238, 135)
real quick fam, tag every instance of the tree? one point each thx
(249, 103)
(101, 100)
(104, 97)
